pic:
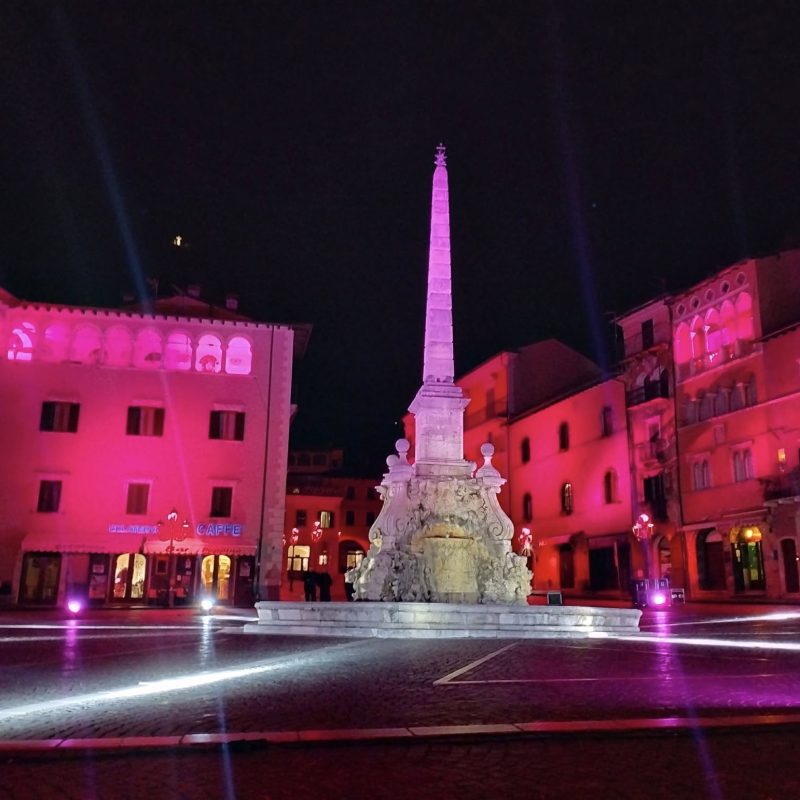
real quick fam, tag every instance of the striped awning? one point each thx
(112, 543)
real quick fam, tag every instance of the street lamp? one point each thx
(172, 532)
(643, 531)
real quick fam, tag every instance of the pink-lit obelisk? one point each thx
(441, 535)
(438, 408)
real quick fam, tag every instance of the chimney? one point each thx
(232, 302)
(193, 291)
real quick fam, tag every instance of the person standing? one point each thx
(324, 582)
(310, 585)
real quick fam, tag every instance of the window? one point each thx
(61, 417)
(655, 495)
(323, 559)
(350, 494)
(701, 475)
(370, 517)
(320, 460)
(751, 393)
(228, 425)
(209, 354)
(145, 421)
(566, 498)
(610, 486)
(742, 465)
(563, 436)
(607, 421)
(372, 494)
(138, 494)
(20, 346)
(297, 557)
(707, 405)
(238, 356)
(49, 496)
(648, 337)
(300, 517)
(527, 507)
(221, 500)
(350, 517)
(525, 450)
(326, 519)
(738, 397)
(353, 558)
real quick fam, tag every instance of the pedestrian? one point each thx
(310, 585)
(324, 582)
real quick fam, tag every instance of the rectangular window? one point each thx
(60, 417)
(608, 421)
(326, 519)
(300, 517)
(145, 421)
(49, 496)
(349, 517)
(228, 425)
(221, 500)
(370, 517)
(742, 465)
(138, 494)
(701, 475)
(655, 495)
(648, 336)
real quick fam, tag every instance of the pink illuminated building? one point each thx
(146, 452)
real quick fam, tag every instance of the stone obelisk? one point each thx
(441, 535)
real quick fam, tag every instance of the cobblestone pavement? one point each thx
(744, 766)
(100, 677)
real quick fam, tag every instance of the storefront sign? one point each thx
(219, 529)
(140, 529)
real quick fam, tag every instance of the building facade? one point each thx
(149, 453)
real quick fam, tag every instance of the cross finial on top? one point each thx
(441, 157)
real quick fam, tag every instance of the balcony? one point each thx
(727, 352)
(660, 450)
(643, 394)
(783, 486)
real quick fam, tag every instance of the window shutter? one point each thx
(158, 422)
(74, 413)
(239, 426)
(134, 420)
(48, 418)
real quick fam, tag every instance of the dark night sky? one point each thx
(598, 152)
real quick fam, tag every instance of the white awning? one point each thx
(189, 546)
(110, 543)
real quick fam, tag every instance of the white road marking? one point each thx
(463, 670)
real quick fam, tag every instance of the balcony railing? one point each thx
(778, 487)
(659, 450)
(727, 352)
(650, 391)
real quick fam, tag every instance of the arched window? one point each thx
(610, 488)
(706, 405)
(118, 347)
(527, 507)
(698, 338)
(744, 317)
(689, 411)
(20, 345)
(751, 392)
(178, 352)
(55, 343)
(525, 450)
(238, 356)
(738, 397)
(209, 354)
(723, 402)
(683, 344)
(563, 436)
(710, 560)
(566, 498)
(728, 329)
(147, 351)
(713, 337)
(87, 345)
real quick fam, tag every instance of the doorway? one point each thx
(40, 574)
(215, 577)
(130, 570)
(789, 553)
(566, 566)
(748, 559)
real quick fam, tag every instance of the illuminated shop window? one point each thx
(49, 497)
(55, 343)
(215, 576)
(227, 425)
(147, 350)
(238, 356)
(138, 495)
(326, 519)
(60, 417)
(20, 345)
(566, 498)
(87, 345)
(209, 354)
(323, 559)
(221, 501)
(178, 351)
(297, 558)
(129, 574)
(145, 421)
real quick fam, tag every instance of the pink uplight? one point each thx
(659, 598)
(74, 606)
